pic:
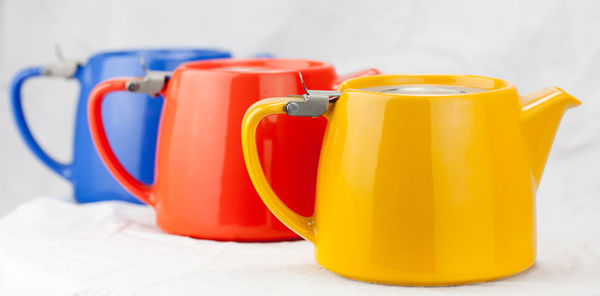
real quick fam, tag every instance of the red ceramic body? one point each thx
(202, 188)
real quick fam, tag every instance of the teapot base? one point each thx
(234, 233)
(433, 280)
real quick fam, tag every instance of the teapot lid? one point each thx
(258, 65)
(314, 102)
(247, 69)
(423, 89)
(426, 84)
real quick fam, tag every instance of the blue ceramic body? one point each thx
(131, 121)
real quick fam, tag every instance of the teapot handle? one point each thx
(303, 226)
(64, 170)
(139, 189)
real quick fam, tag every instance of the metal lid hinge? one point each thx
(151, 84)
(313, 104)
(64, 68)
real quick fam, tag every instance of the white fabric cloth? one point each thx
(54, 247)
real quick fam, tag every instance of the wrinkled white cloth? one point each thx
(54, 247)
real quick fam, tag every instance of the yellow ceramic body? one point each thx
(423, 189)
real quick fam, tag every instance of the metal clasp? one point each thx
(151, 84)
(314, 103)
(64, 68)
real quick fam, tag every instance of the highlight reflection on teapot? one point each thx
(422, 179)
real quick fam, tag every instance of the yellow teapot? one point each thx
(423, 179)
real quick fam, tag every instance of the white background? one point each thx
(531, 43)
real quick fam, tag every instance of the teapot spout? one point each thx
(541, 113)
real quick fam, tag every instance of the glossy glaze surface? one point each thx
(131, 121)
(423, 190)
(201, 187)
